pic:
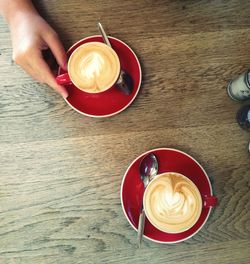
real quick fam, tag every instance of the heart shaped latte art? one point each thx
(173, 203)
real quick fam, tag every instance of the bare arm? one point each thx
(10, 8)
(30, 34)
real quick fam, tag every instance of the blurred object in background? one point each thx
(243, 117)
(239, 88)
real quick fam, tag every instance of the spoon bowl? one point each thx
(125, 83)
(148, 168)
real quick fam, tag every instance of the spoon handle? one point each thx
(141, 226)
(104, 35)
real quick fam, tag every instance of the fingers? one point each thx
(35, 66)
(46, 76)
(57, 48)
(29, 39)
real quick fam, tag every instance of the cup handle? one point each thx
(209, 201)
(63, 79)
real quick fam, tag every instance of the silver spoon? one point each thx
(125, 82)
(148, 170)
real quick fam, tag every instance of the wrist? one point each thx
(13, 10)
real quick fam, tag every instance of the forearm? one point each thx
(11, 9)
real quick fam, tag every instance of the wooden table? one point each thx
(60, 172)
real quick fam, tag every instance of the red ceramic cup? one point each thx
(204, 201)
(67, 79)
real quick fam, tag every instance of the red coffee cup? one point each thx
(93, 67)
(173, 203)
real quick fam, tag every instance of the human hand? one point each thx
(31, 35)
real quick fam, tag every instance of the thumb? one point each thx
(57, 48)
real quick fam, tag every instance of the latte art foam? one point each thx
(173, 203)
(91, 66)
(94, 67)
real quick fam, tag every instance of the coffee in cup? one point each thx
(93, 67)
(172, 202)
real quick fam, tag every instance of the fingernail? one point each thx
(65, 66)
(65, 94)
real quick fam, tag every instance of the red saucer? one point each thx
(111, 101)
(170, 160)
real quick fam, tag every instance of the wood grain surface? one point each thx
(60, 172)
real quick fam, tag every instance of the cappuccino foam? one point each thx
(172, 203)
(94, 67)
